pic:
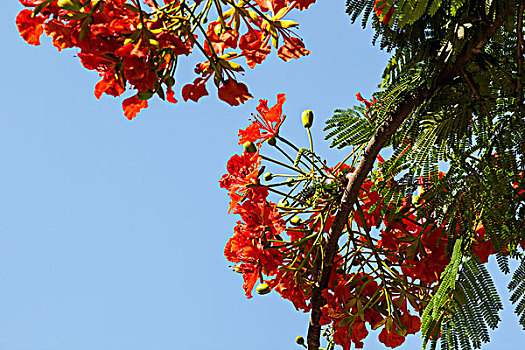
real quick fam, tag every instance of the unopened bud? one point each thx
(144, 95)
(283, 202)
(296, 221)
(263, 289)
(170, 81)
(461, 32)
(249, 147)
(299, 340)
(268, 176)
(272, 141)
(307, 118)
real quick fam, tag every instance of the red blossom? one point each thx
(391, 339)
(95, 62)
(482, 246)
(139, 73)
(250, 276)
(110, 85)
(271, 5)
(30, 28)
(172, 41)
(234, 93)
(284, 284)
(221, 38)
(60, 33)
(195, 91)
(31, 3)
(253, 47)
(243, 170)
(367, 103)
(268, 121)
(170, 95)
(132, 106)
(304, 4)
(135, 50)
(292, 48)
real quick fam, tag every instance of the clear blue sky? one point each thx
(112, 232)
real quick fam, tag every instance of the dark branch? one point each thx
(519, 54)
(476, 93)
(356, 178)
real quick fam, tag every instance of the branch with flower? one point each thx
(388, 261)
(136, 44)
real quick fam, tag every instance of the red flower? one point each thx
(195, 91)
(261, 219)
(170, 95)
(483, 247)
(269, 120)
(132, 50)
(95, 62)
(284, 284)
(273, 5)
(367, 103)
(304, 4)
(250, 275)
(243, 170)
(139, 73)
(234, 93)
(110, 85)
(31, 3)
(30, 28)
(292, 48)
(391, 339)
(367, 200)
(253, 47)
(261, 222)
(61, 34)
(220, 38)
(168, 40)
(132, 106)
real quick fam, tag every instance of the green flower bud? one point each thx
(296, 221)
(307, 118)
(144, 95)
(299, 340)
(170, 81)
(249, 147)
(289, 182)
(268, 176)
(263, 289)
(283, 202)
(272, 141)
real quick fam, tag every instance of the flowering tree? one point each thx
(396, 244)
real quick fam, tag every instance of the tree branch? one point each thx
(476, 93)
(356, 178)
(519, 54)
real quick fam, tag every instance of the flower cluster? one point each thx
(382, 276)
(132, 48)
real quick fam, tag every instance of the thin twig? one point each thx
(519, 54)
(476, 93)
